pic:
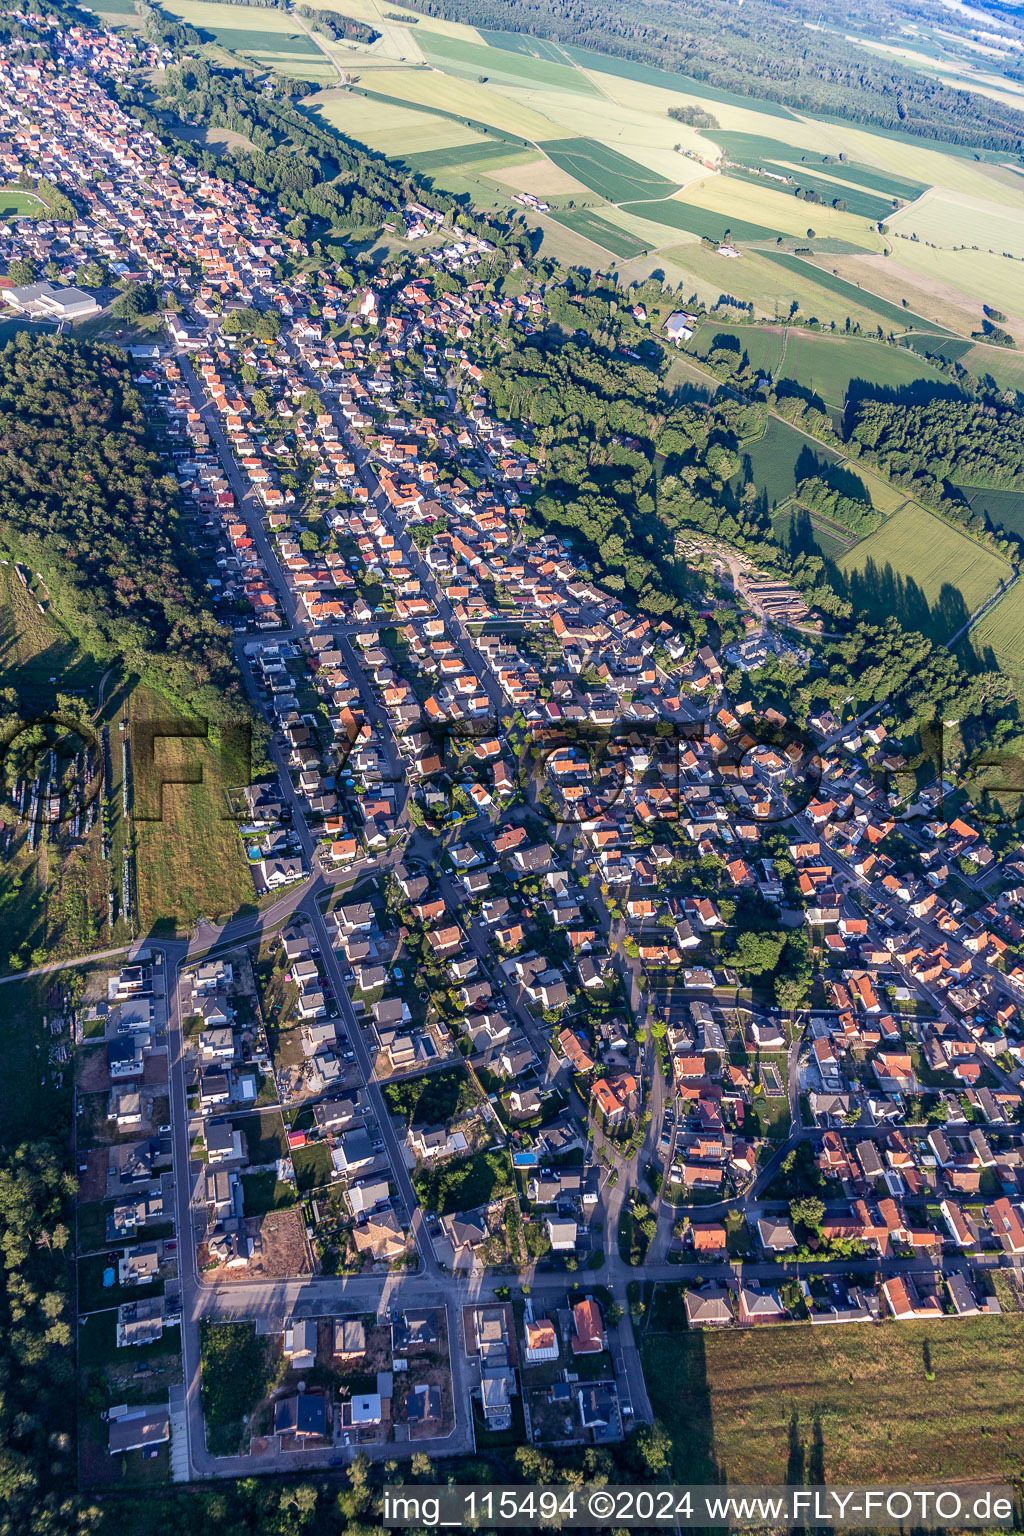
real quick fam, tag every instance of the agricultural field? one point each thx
(483, 156)
(541, 177)
(611, 175)
(998, 637)
(593, 227)
(797, 529)
(268, 35)
(701, 223)
(1004, 509)
(466, 100)
(828, 365)
(974, 275)
(501, 65)
(777, 211)
(771, 289)
(388, 127)
(955, 220)
(781, 457)
(895, 317)
(927, 573)
(762, 345)
(857, 1406)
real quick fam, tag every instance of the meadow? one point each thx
(861, 1404)
(829, 364)
(927, 573)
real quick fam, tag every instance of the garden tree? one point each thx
(808, 1212)
(250, 322)
(21, 271)
(140, 299)
(757, 953)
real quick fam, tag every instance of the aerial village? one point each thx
(508, 1026)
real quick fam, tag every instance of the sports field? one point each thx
(861, 1404)
(17, 204)
(924, 571)
(593, 227)
(606, 172)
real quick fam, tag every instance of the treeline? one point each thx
(38, 1448)
(341, 28)
(921, 446)
(765, 51)
(87, 503)
(859, 517)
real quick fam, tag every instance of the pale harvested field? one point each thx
(986, 279)
(767, 286)
(541, 177)
(398, 43)
(778, 210)
(648, 230)
(393, 130)
(927, 296)
(465, 98)
(949, 221)
(374, 14)
(654, 102)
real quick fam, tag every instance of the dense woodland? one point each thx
(969, 442)
(87, 503)
(765, 50)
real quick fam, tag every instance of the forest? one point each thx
(88, 504)
(971, 442)
(765, 50)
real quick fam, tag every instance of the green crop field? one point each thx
(482, 155)
(519, 42)
(858, 1404)
(869, 205)
(593, 227)
(927, 573)
(773, 155)
(606, 172)
(829, 364)
(513, 66)
(998, 637)
(700, 221)
(1004, 509)
(781, 457)
(265, 33)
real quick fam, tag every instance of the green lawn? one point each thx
(264, 1192)
(843, 1404)
(312, 1166)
